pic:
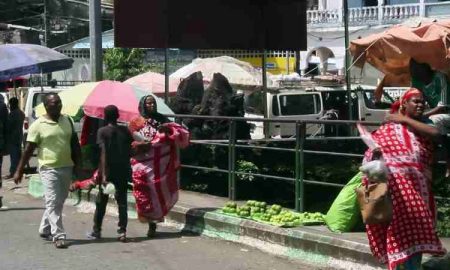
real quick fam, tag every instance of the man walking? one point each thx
(15, 135)
(58, 151)
(115, 144)
(3, 133)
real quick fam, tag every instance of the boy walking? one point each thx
(115, 146)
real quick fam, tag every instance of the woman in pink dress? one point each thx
(155, 162)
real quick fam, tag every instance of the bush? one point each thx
(246, 167)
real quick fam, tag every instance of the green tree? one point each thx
(123, 63)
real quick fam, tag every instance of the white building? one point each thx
(325, 20)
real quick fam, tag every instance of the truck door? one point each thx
(296, 106)
(369, 111)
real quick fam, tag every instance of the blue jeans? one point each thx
(15, 153)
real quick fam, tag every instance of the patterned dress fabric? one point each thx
(412, 229)
(155, 181)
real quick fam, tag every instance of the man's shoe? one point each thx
(60, 243)
(45, 236)
(122, 237)
(94, 235)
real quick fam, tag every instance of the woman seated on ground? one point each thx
(406, 143)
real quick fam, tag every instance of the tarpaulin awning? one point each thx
(391, 50)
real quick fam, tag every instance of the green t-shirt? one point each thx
(53, 141)
(438, 91)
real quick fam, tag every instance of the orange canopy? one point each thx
(391, 50)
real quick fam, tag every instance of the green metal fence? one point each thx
(299, 150)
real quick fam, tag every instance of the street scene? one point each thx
(283, 134)
(21, 247)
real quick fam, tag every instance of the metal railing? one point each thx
(382, 14)
(299, 138)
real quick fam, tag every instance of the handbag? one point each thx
(74, 143)
(373, 196)
(375, 203)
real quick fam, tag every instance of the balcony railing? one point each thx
(389, 14)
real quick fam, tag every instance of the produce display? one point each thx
(273, 214)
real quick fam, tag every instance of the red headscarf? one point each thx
(395, 107)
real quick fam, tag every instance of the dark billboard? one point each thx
(211, 24)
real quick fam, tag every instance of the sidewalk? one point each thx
(313, 244)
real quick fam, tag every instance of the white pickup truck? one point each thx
(315, 104)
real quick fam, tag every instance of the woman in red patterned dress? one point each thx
(406, 143)
(155, 162)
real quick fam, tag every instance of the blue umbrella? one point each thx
(23, 59)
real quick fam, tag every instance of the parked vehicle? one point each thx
(32, 97)
(319, 103)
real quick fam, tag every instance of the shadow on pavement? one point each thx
(438, 263)
(30, 170)
(195, 218)
(21, 208)
(80, 242)
(159, 235)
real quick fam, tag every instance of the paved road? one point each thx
(21, 248)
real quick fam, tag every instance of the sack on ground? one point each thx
(344, 212)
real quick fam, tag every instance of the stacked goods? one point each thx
(273, 214)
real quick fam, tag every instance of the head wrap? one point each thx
(142, 111)
(395, 107)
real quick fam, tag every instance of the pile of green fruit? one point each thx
(273, 214)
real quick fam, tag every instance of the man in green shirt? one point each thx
(53, 136)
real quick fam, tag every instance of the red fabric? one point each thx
(412, 229)
(85, 131)
(86, 183)
(155, 182)
(395, 107)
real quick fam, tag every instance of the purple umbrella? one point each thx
(23, 59)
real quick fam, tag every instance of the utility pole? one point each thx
(347, 62)
(46, 37)
(45, 22)
(166, 75)
(264, 91)
(95, 33)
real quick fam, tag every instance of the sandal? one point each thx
(122, 237)
(60, 243)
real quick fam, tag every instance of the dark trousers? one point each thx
(15, 153)
(100, 208)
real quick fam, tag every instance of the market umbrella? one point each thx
(391, 50)
(93, 97)
(154, 82)
(23, 59)
(237, 72)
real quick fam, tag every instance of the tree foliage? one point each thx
(123, 63)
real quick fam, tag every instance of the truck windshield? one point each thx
(298, 104)
(386, 100)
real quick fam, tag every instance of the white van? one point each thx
(314, 104)
(33, 97)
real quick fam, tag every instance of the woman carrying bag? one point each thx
(405, 144)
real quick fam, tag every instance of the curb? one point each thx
(320, 248)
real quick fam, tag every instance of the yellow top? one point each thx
(53, 141)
